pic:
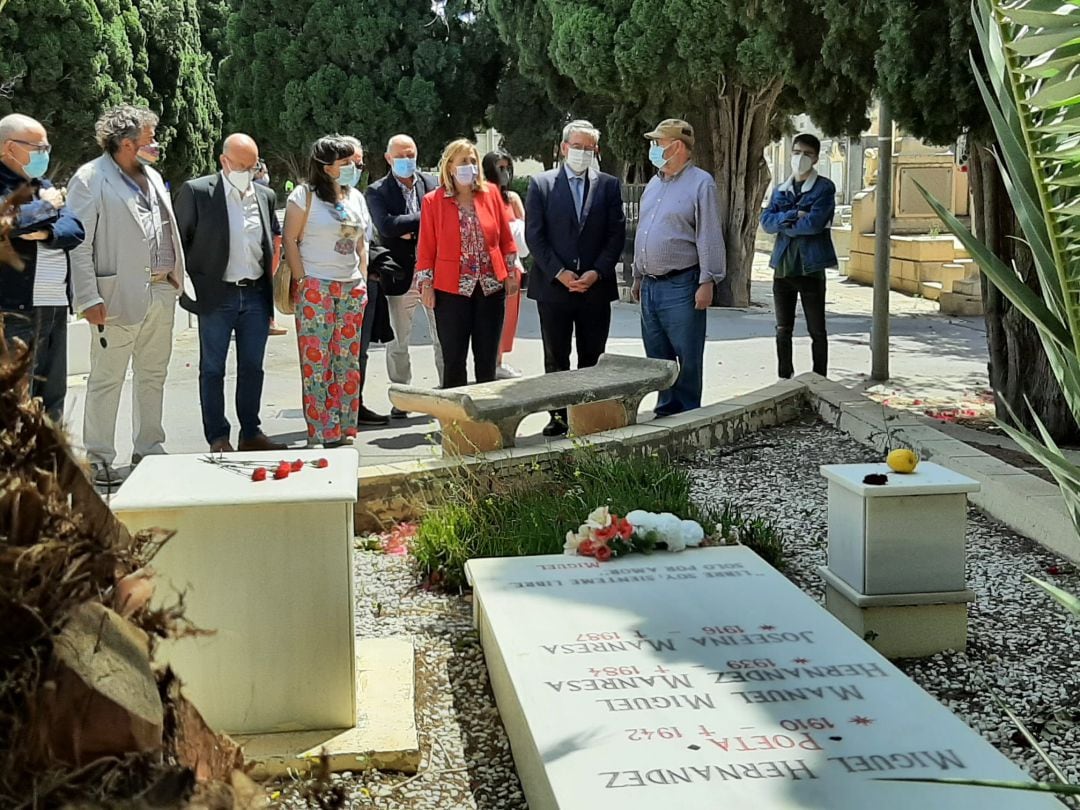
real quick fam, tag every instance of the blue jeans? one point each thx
(44, 330)
(673, 329)
(245, 311)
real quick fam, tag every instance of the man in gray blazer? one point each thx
(127, 276)
(226, 224)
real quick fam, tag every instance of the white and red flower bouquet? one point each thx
(605, 535)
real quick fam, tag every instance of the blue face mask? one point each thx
(349, 175)
(38, 165)
(405, 167)
(656, 156)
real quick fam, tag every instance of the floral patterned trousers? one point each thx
(328, 319)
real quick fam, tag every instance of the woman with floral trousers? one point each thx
(327, 256)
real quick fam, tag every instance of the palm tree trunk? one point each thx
(1019, 369)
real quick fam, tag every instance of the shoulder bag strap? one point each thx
(307, 213)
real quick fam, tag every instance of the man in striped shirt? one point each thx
(679, 256)
(34, 299)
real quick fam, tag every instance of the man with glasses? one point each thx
(127, 276)
(34, 298)
(575, 228)
(226, 223)
(679, 257)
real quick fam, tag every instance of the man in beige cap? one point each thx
(679, 256)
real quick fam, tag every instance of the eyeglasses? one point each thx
(34, 147)
(101, 337)
(359, 167)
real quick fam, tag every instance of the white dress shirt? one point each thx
(245, 234)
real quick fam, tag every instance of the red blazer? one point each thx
(439, 247)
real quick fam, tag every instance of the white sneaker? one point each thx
(506, 372)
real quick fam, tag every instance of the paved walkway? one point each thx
(933, 354)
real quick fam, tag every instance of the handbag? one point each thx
(284, 285)
(517, 229)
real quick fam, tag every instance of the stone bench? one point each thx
(485, 416)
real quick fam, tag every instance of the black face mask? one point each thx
(504, 178)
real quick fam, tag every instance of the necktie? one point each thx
(578, 185)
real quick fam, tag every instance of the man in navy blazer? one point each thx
(575, 228)
(395, 202)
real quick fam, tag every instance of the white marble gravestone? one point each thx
(704, 680)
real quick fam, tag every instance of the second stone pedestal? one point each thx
(896, 556)
(901, 625)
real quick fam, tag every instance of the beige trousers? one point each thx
(402, 311)
(147, 347)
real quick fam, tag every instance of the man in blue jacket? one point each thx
(800, 214)
(35, 299)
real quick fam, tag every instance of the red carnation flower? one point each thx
(322, 463)
(587, 548)
(603, 554)
(258, 474)
(282, 471)
(297, 465)
(606, 533)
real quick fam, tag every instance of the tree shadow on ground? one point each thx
(486, 746)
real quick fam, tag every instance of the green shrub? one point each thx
(760, 536)
(478, 516)
(482, 514)
(521, 186)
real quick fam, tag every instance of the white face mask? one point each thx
(801, 164)
(579, 160)
(466, 174)
(240, 180)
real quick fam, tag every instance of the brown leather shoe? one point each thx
(260, 442)
(222, 446)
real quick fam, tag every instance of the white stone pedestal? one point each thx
(896, 557)
(904, 537)
(707, 680)
(266, 565)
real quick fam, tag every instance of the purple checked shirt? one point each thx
(679, 226)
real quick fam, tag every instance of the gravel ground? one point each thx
(466, 760)
(1020, 643)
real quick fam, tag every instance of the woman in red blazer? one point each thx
(461, 264)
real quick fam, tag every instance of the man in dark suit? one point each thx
(395, 202)
(575, 228)
(226, 225)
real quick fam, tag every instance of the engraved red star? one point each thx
(859, 720)
(800, 660)
(768, 627)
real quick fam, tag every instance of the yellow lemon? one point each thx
(902, 460)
